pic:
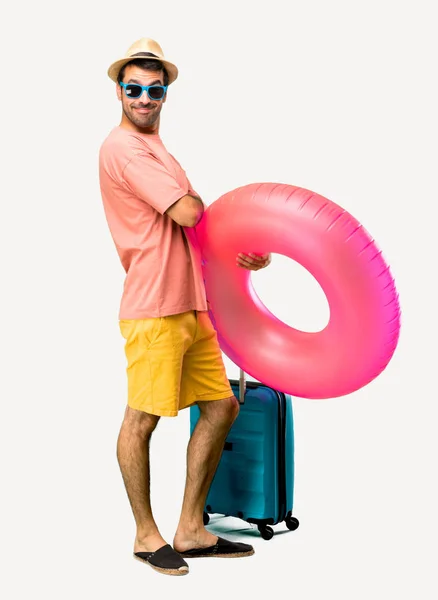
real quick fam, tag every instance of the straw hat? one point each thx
(137, 50)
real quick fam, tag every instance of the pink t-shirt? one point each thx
(139, 181)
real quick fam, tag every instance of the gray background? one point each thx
(338, 97)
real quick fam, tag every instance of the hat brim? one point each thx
(114, 69)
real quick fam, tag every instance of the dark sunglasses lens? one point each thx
(156, 92)
(133, 91)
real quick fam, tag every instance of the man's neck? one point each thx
(127, 124)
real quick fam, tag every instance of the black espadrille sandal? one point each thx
(165, 560)
(222, 549)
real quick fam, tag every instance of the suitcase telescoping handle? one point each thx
(242, 386)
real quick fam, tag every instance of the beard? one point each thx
(142, 120)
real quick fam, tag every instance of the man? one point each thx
(173, 355)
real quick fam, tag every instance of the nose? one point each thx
(144, 96)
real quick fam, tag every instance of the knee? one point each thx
(233, 408)
(139, 423)
(222, 412)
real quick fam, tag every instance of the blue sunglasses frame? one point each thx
(144, 88)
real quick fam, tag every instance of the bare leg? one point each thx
(133, 457)
(203, 455)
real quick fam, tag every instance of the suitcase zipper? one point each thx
(281, 456)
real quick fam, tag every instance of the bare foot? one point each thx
(150, 543)
(186, 540)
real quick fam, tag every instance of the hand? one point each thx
(253, 262)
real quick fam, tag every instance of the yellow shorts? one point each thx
(173, 362)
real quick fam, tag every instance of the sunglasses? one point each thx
(155, 92)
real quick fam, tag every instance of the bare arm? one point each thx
(187, 211)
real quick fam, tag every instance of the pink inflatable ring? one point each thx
(363, 330)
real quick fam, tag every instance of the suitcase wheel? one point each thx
(266, 532)
(292, 523)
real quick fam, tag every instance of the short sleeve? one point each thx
(147, 177)
(191, 189)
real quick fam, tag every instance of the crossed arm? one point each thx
(188, 211)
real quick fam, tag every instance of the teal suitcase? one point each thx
(255, 477)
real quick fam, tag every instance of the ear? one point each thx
(119, 91)
(165, 98)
